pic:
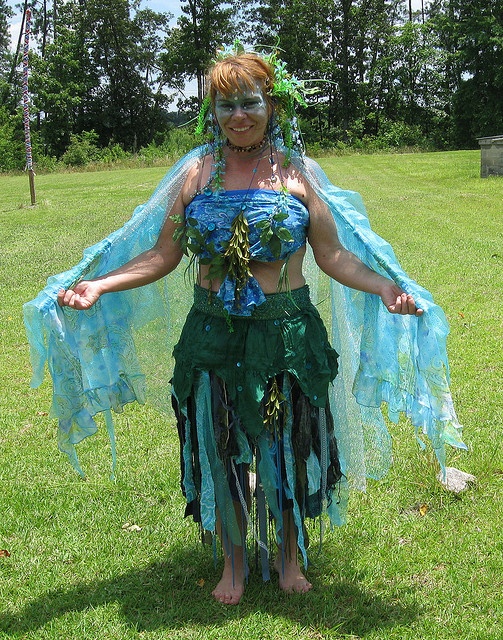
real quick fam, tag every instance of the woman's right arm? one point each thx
(145, 268)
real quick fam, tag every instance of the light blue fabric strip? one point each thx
(109, 421)
(245, 453)
(189, 486)
(215, 491)
(269, 477)
(337, 508)
(313, 473)
(262, 524)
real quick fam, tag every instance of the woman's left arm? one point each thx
(345, 267)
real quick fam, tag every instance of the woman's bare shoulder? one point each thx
(197, 176)
(297, 184)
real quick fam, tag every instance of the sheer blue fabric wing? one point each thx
(399, 360)
(94, 356)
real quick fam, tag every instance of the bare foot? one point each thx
(291, 578)
(231, 586)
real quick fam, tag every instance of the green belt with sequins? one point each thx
(276, 305)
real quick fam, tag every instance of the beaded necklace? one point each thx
(248, 149)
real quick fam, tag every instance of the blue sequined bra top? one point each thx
(262, 225)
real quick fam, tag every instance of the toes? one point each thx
(225, 596)
(301, 586)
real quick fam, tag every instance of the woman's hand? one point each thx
(82, 296)
(397, 301)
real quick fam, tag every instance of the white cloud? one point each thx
(15, 28)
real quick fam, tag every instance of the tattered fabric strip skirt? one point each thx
(251, 399)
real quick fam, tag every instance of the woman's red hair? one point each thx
(242, 71)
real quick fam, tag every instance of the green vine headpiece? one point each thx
(286, 92)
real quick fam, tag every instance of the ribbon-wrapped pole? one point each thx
(26, 106)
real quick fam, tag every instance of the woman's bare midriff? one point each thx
(267, 274)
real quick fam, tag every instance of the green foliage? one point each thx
(114, 67)
(12, 145)
(100, 73)
(112, 154)
(392, 135)
(60, 82)
(203, 26)
(470, 33)
(5, 55)
(124, 46)
(12, 150)
(396, 135)
(47, 164)
(383, 66)
(173, 144)
(82, 149)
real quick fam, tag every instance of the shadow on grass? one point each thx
(173, 594)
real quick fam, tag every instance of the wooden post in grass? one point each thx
(26, 109)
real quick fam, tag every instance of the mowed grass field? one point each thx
(414, 562)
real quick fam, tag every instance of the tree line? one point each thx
(111, 74)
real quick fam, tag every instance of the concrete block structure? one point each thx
(491, 156)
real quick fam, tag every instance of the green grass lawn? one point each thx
(395, 572)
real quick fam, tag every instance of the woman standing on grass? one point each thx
(254, 365)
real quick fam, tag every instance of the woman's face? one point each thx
(243, 116)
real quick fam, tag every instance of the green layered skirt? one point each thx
(256, 432)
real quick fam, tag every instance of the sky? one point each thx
(171, 6)
(168, 6)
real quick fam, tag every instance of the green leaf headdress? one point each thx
(286, 93)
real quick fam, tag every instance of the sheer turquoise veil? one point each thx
(389, 364)
(120, 350)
